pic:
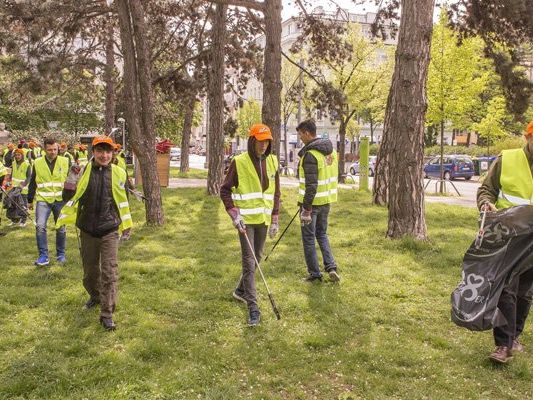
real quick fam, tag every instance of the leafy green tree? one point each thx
(494, 125)
(247, 115)
(458, 75)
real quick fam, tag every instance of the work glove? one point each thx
(236, 218)
(126, 234)
(488, 207)
(274, 227)
(305, 217)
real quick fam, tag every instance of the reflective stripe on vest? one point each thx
(118, 181)
(328, 171)
(50, 184)
(19, 174)
(255, 205)
(516, 181)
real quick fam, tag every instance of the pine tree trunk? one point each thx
(271, 110)
(342, 150)
(399, 181)
(216, 102)
(138, 95)
(186, 135)
(109, 80)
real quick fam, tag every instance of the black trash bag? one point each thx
(14, 205)
(506, 250)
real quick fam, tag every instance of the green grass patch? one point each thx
(383, 333)
(193, 173)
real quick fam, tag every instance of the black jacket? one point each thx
(97, 212)
(310, 168)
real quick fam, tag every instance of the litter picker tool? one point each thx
(481, 232)
(271, 298)
(283, 233)
(138, 195)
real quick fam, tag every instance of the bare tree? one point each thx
(139, 106)
(398, 180)
(216, 101)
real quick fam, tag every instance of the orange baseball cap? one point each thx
(529, 129)
(19, 151)
(260, 132)
(102, 139)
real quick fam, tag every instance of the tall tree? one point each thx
(398, 180)
(139, 104)
(216, 101)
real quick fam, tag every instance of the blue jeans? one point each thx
(42, 212)
(317, 229)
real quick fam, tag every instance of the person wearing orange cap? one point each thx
(509, 183)
(8, 155)
(48, 177)
(100, 209)
(82, 156)
(251, 194)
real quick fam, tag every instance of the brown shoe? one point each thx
(517, 346)
(501, 355)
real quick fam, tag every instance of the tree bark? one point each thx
(186, 135)
(398, 181)
(109, 80)
(138, 100)
(342, 149)
(216, 102)
(271, 110)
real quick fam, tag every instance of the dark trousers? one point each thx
(100, 269)
(246, 288)
(515, 302)
(317, 230)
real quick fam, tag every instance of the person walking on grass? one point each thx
(100, 209)
(20, 177)
(49, 174)
(251, 193)
(318, 172)
(509, 183)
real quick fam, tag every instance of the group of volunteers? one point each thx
(251, 197)
(96, 202)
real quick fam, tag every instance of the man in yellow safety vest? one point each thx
(317, 172)
(250, 194)
(509, 183)
(20, 177)
(49, 174)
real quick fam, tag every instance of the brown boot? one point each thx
(517, 346)
(501, 355)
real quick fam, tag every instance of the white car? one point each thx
(354, 168)
(175, 153)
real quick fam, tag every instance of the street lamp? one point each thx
(122, 121)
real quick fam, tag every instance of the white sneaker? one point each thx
(333, 276)
(22, 224)
(11, 223)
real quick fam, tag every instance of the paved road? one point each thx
(467, 189)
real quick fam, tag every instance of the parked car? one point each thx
(354, 167)
(455, 166)
(175, 154)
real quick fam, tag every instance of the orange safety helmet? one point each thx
(260, 132)
(529, 129)
(102, 139)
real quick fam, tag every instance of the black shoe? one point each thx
(91, 303)
(312, 278)
(255, 318)
(108, 323)
(333, 276)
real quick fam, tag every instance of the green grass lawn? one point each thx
(193, 173)
(383, 333)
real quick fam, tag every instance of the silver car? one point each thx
(354, 168)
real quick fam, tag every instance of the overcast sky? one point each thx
(289, 9)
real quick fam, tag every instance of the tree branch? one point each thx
(253, 5)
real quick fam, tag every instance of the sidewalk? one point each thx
(176, 183)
